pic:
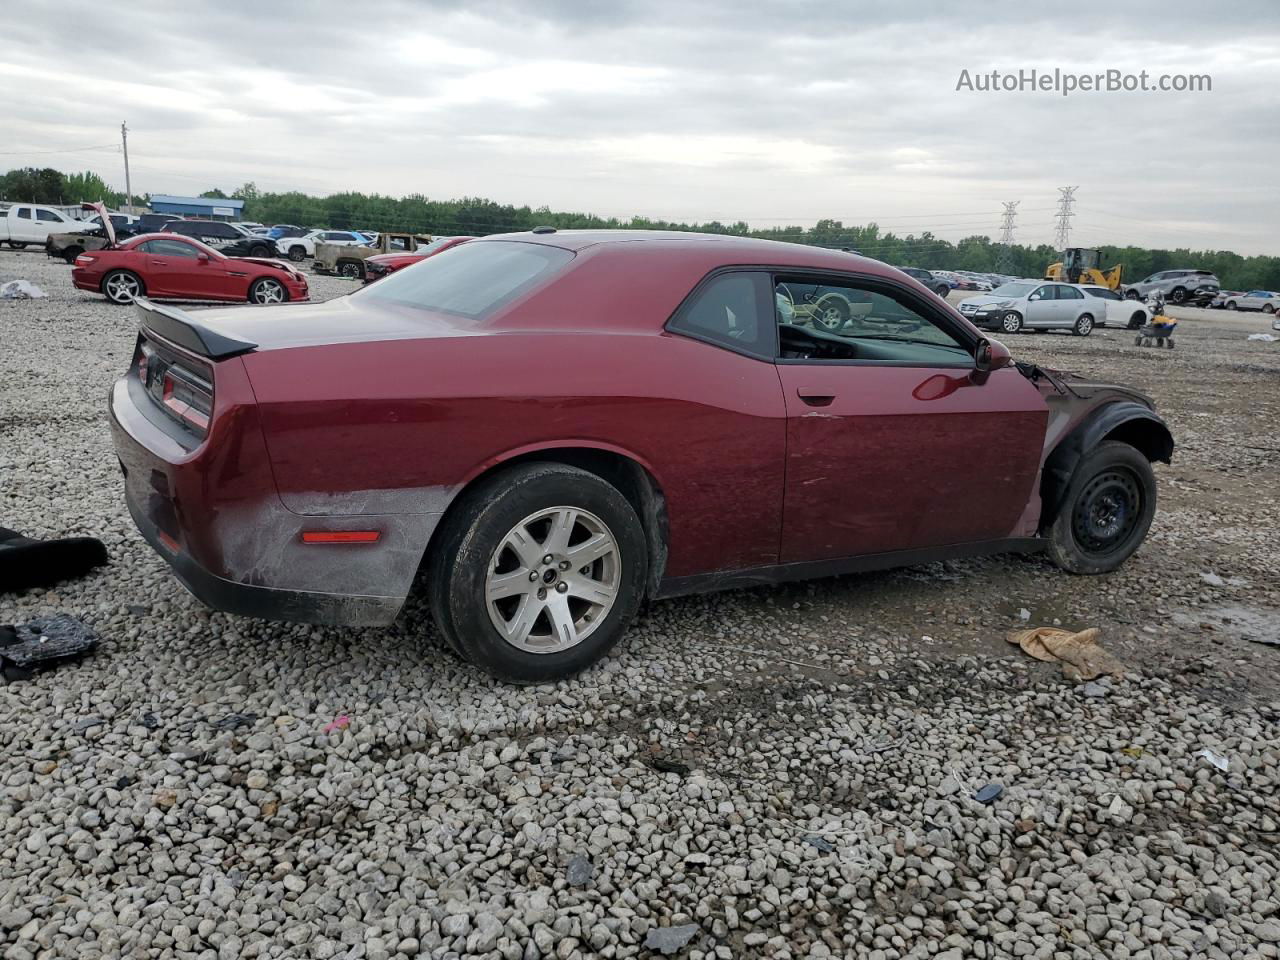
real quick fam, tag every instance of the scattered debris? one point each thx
(85, 724)
(24, 290)
(579, 871)
(989, 794)
(1024, 614)
(1264, 337)
(42, 642)
(340, 722)
(234, 720)
(1134, 752)
(1081, 656)
(26, 562)
(820, 843)
(149, 721)
(1213, 580)
(669, 940)
(667, 765)
(1217, 759)
(137, 609)
(1216, 905)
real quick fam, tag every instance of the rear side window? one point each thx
(48, 215)
(24, 213)
(727, 310)
(473, 279)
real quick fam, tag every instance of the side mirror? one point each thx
(1034, 296)
(202, 257)
(990, 355)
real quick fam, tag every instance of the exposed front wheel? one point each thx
(297, 254)
(121, 286)
(1011, 322)
(351, 269)
(268, 290)
(1084, 326)
(538, 572)
(1137, 320)
(1107, 510)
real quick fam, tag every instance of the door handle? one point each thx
(815, 396)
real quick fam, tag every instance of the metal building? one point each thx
(203, 208)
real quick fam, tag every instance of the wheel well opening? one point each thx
(1149, 438)
(630, 478)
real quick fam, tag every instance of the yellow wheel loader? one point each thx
(1080, 265)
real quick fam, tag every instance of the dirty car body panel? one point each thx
(370, 415)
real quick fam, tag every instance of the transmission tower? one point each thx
(1004, 263)
(1066, 197)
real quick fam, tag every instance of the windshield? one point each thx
(471, 279)
(1013, 290)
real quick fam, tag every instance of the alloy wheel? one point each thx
(553, 580)
(122, 288)
(268, 291)
(1011, 322)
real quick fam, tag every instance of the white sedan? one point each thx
(1268, 301)
(300, 248)
(1118, 312)
(1034, 305)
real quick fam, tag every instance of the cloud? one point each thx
(770, 112)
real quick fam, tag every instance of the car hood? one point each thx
(984, 300)
(342, 320)
(266, 262)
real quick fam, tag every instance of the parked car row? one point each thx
(1049, 305)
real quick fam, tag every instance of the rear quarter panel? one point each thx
(402, 426)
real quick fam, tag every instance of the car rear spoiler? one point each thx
(179, 327)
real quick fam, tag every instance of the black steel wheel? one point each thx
(1107, 510)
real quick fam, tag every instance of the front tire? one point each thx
(351, 269)
(1011, 322)
(122, 287)
(1137, 320)
(1268, 308)
(1231, 304)
(1084, 325)
(297, 254)
(504, 605)
(268, 290)
(1107, 511)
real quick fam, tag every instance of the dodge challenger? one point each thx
(546, 429)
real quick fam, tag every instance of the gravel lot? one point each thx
(780, 772)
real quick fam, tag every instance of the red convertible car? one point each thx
(552, 427)
(381, 264)
(169, 266)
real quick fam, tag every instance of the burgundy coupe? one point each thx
(552, 427)
(169, 266)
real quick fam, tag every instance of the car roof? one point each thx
(728, 249)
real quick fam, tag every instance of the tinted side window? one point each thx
(1045, 293)
(24, 213)
(1069, 293)
(169, 248)
(48, 216)
(728, 310)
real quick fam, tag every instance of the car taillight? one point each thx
(144, 362)
(187, 397)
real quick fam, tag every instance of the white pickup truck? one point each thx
(24, 223)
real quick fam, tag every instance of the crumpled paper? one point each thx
(1080, 654)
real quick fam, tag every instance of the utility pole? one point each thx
(128, 186)
(1066, 197)
(1004, 263)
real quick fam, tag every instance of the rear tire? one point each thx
(1179, 294)
(1131, 295)
(1084, 325)
(1107, 511)
(1268, 308)
(351, 269)
(1231, 304)
(499, 531)
(17, 245)
(122, 287)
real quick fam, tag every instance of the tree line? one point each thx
(476, 216)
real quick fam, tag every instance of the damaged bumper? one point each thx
(214, 515)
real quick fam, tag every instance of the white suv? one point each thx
(1034, 305)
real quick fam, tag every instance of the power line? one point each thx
(41, 153)
(1066, 197)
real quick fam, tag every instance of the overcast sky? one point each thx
(769, 112)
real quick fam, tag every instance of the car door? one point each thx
(1042, 306)
(47, 222)
(893, 442)
(173, 268)
(1071, 303)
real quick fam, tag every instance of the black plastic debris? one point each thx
(667, 765)
(233, 721)
(42, 642)
(149, 720)
(989, 794)
(820, 843)
(26, 562)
